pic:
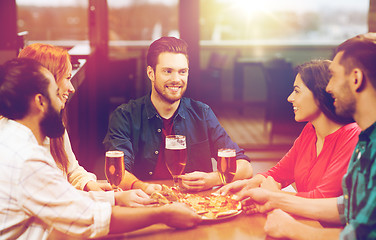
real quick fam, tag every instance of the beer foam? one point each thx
(114, 154)
(175, 147)
(226, 153)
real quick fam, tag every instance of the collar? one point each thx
(369, 133)
(151, 111)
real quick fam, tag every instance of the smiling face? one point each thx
(339, 88)
(304, 104)
(64, 83)
(170, 77)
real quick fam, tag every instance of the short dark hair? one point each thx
(165, 44)
(360, 52)
(315, 75)
(20, 80)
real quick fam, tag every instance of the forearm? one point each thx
(243, 170)
(128, 180)
(324, 209)
(129, 219)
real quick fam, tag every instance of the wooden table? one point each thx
(239, 227)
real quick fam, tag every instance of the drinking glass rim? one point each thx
(175, 136)
(114, 153)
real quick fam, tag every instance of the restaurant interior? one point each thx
(242, 55)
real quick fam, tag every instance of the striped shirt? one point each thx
(36, 198)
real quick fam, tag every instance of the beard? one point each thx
(345, 103)
(52, 123)
(346, 110)
(166, 96)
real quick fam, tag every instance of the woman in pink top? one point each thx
(320, 155)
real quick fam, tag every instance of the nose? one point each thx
(71, 88)
(290, 98)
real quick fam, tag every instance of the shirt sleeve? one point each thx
(77, 175)
(364, 224)
(118, 137)
(341, 209)
(219, 137)
(44, 193)
(329, 184)
(283, 171)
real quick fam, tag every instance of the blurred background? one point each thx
(242, 58)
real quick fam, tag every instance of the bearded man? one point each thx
(139, 128)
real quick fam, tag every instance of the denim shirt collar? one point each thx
(151, 111)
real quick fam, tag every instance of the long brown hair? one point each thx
(57, 61)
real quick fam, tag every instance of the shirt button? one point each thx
(159, 130)
(150, 173)
(156, 152)
(346, 196)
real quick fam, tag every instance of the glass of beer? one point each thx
(114, 168)
(226, 164)
(175, 155)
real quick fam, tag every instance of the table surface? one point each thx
(239, 227)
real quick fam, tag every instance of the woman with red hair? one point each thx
(57, 61)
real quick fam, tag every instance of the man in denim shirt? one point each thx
(353, 87)
(139, 127)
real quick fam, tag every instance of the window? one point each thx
(135, 20)
(282, 21)
(54, 20)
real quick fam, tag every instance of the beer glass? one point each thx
(226, 164)
(114, 168)
(175, 155)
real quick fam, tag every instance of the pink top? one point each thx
(317, 176)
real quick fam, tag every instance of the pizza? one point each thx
(209, 207)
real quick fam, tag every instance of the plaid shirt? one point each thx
(36, 198)
(357, 206)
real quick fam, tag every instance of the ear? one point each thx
(150, 73)
(358, 81)
(40, 102)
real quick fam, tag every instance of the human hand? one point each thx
(256, 200)
(232, 188)
(97, 186)
(270, 184)
(149, 188)
(132, 198)
(199, 181)
(179, 215)
(279, 224)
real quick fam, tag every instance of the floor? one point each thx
(248, 129)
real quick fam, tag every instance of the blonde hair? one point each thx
(57, 61)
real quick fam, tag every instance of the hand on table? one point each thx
(199, 181)
(279, 224)
(179, 215)
(97, 186)
(132, 198)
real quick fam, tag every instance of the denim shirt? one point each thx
(136, 129)
(357, 206)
